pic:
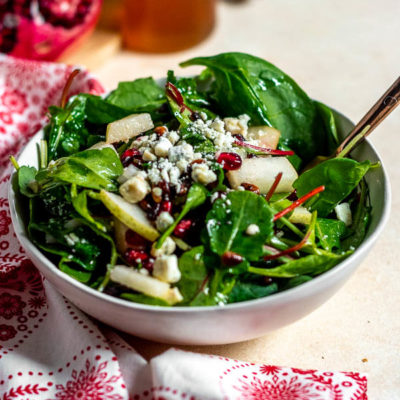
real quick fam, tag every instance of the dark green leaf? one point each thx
(79, 201)
(243, 291)
(66, 133)
(194, 274)
(143, 93)
(309, 265)
(329, 232)
(27, 181)
(143, 299)
(94, 169)
(245, 84)
(340, 176)
(361, 220)
(329, 123)
(296, 281)
(99, 111)
(229, 218)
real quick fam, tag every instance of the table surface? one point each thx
(345, 54)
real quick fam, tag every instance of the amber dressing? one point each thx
(162, 26)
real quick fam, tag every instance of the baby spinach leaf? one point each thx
(194, 274)
(309, 265)
(328, 121)
(196, 197)
(93, 169)
(340, 176)
(361, 220)
(329, 232)
(229, 218)
(243, 291)
(245, 84)
(99, 111)
(143, 93)
(66, 133)
(296, 281)
(143, 299)
(79, 201)
(26, 178)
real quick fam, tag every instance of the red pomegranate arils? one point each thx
(182, 229)
(229, 161)
(265, 150)
(298, 202)
(272, 189)
(64, 96)
(296, 247)
(166, 206)
(135, 241)
(135, 257)
(128, 156)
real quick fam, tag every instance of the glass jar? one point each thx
(162, 26)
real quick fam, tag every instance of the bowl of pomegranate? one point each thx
(200, 210)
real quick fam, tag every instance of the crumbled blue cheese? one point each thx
(252, 230)
(135, 189)
(343, 213)
(128, 173)
(162, 146)
(166, 269)
(237, 125)
(202, 173)
(167, 248)
(164, 221)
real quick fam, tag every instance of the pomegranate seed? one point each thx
(230, 259)
(135, 241)
(250, 187)
(148, 264)
(135, 257)
(229, 161)
(166, 206)
(182, 229)
(129, 156)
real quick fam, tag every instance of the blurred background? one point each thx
(343, 53)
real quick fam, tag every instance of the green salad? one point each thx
(208, 190)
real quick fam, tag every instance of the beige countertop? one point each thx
(345, 54)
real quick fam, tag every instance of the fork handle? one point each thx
(379, 111)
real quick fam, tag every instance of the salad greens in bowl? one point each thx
(160, 202)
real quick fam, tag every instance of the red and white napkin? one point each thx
(51, 350)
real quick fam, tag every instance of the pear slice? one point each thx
(126, 128)
(120, 230)
(301, 215)
(266, 135)
(262, 171)
(145, 284)
(129, 214)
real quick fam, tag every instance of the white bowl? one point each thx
(216, 324)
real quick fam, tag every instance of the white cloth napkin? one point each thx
(51, 350)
